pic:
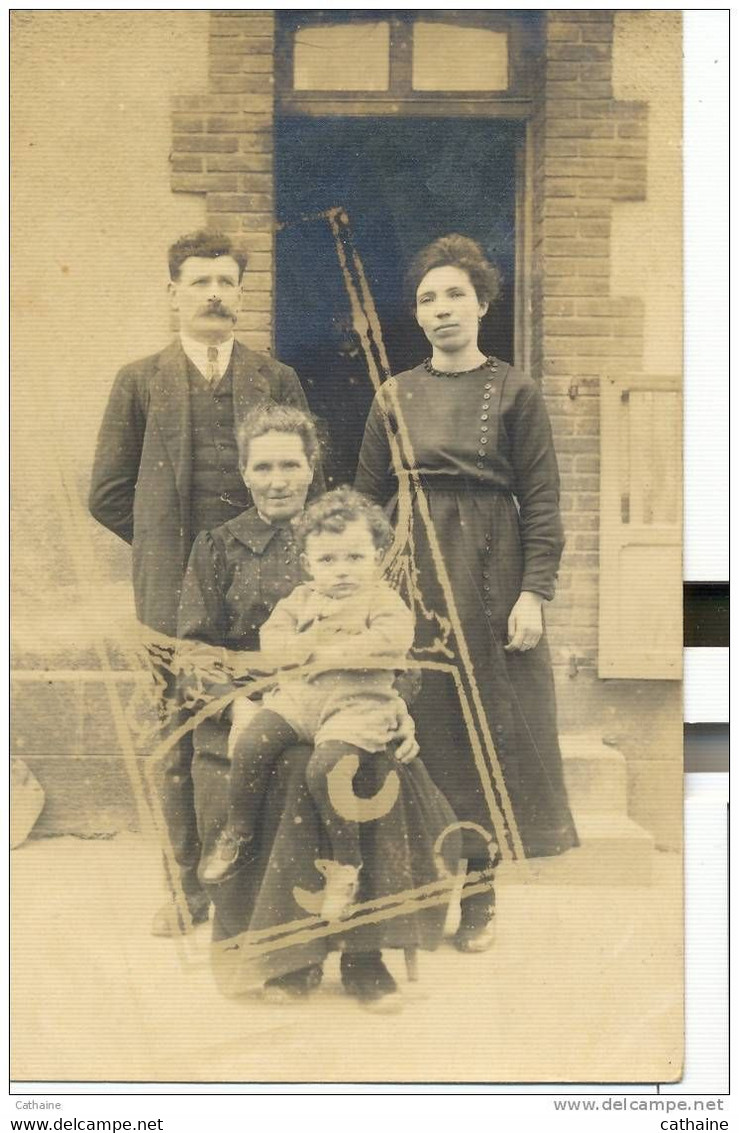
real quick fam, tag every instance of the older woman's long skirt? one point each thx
(266, 916)
(477, 536)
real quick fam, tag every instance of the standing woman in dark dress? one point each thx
(464, 443)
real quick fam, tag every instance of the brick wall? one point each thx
(223, 147)
(589, 154)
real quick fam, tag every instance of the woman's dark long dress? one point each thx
(236, 575)
(481, 446)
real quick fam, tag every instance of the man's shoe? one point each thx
(170, 921)
(342, 882)
(230, 852)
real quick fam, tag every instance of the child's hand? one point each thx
(287, 655)
(405, 737)
(326, 631)
(300, 653)
(330, 653)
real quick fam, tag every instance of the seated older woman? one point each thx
(266, 927)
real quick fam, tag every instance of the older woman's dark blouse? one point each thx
(236, 575)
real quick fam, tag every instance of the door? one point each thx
(400, 182)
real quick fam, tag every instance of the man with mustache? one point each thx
(166, 467)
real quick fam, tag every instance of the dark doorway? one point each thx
(402, 182)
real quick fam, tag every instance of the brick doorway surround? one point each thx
(586, 153)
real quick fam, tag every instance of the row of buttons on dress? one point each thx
(484, 418)
(486, 575)
(483, 440)
(481, 452)
(291, 552)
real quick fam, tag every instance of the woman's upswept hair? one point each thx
(334, 510)
(459, 252)
(277, 419)
(206, 244)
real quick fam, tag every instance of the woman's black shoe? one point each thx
(476, 932)
(364, 976)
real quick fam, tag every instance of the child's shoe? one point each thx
(230, 852)
(342, 882)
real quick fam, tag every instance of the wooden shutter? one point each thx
(640, 632)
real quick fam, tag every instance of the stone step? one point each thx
(614, 850)
(595, 774)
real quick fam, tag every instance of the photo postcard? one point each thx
(346, 505)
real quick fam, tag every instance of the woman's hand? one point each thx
(525, 625)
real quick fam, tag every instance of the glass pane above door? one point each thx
(447, 57)
(342, 57)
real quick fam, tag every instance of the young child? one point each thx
(344, 612)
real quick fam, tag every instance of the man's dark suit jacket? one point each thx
(143, 463)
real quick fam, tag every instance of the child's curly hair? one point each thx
(334, 510)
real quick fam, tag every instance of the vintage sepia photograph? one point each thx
(347, 526)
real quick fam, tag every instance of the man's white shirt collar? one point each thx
(197, 352)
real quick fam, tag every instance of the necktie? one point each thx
(212, 373)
